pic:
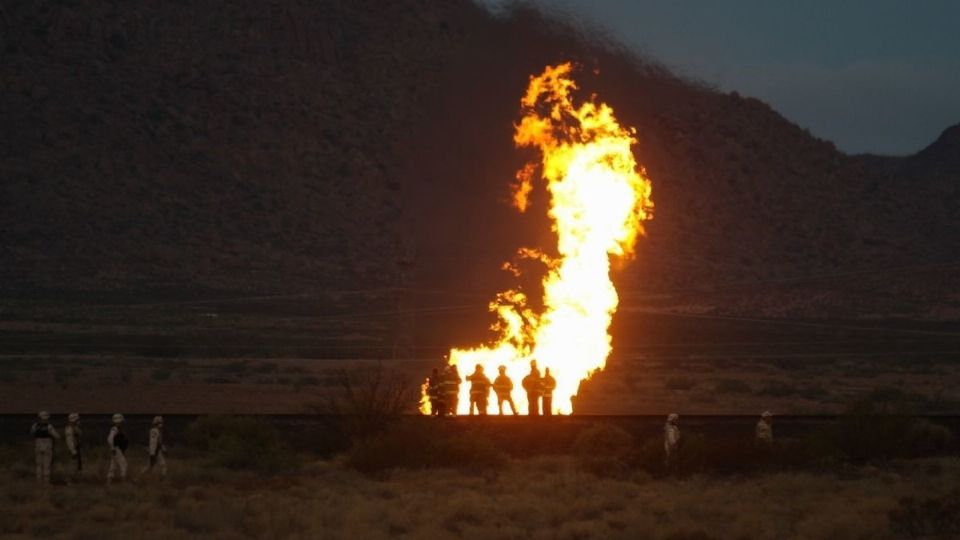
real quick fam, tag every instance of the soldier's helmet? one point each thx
(117, 418)
(73, 417)
(43, 415)
(766, 414)
(158, 420)
(502, 369)
(673, 418)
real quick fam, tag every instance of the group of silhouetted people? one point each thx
(443, 390)
(44, 436)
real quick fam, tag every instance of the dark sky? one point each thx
(878, 76)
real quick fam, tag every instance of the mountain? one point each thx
(169, 149)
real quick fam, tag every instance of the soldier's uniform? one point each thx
(548, 385)
(43, 436)
(671, 443)
(764, 431)
(156, 447)
(74, 438)
(117, 442)
(533, 386)
(479, 391)
(503, 386)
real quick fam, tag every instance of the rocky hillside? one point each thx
(228, 147)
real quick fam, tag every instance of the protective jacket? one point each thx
(533, 384)
(433, 388)
(502, 385)
(548, 384)
(479, 384)
(451, 383)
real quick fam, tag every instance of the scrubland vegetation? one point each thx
(874, 474)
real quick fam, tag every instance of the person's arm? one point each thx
(53, 432)
(110, 437)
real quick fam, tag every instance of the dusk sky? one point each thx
(878, 76)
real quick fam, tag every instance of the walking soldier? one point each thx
(43, 436)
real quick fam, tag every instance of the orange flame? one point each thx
(599, 198)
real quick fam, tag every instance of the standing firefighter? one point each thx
(117, 442)
(43, 436)
(479, 391)
(503, 386)
(671, 443)
(548, 384)
(156, 448)
(434, 393)
(73, 435)
(764, 433)
(451, 389)
(532, 384)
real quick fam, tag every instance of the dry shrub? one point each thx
(240, 443)
(604, 450)
(367, 400)
(929, 517)
(877, 431)
(416, 445)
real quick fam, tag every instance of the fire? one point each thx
(599, 198)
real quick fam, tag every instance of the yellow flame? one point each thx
(599, 198)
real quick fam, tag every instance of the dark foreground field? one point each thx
(867, 474)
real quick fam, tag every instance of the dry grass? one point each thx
(543, 497)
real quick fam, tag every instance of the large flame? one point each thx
(599, 198)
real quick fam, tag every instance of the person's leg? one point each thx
(547, 405)
(162, 464)
(38, 454)
(47, 463)
(513, 406)
(112, 470)
(122, 465)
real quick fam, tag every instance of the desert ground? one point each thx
(284, 356)
(432, 483)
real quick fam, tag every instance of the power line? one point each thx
(788, 322)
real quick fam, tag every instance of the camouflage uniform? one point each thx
(117, 442)
(43, 436)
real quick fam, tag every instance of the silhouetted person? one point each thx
(479, 391)
(671, 443)
(451, 389)
(74, 438)
(434, 393)
(548, 384)
(764, 432)
(117, 443)
(157, 450)
(43, 436)
(533, 386)
(503, 387)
